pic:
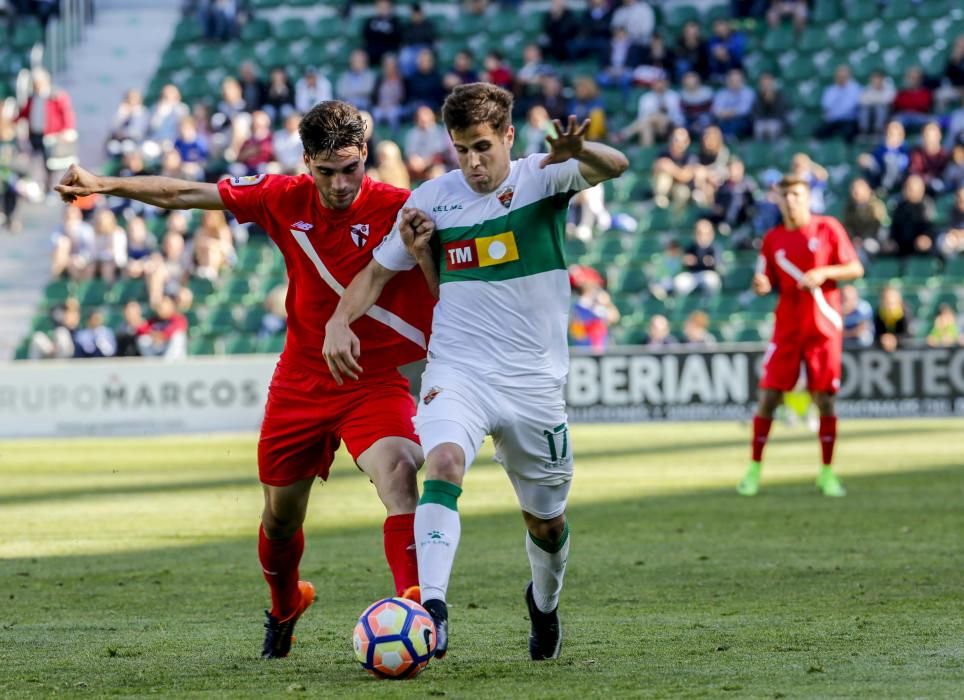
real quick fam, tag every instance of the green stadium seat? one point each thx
(630, 280)
(825, 12)
(779, 39)
(220, 319)
(56, 292)
(749, 334)
(738, 279)
(256, 30)
(202, 345)
(645, 246)
(575, 249)
(188, 31)
(814, 39)
(236, 289)
(126, 290)
(291, 29)
(954, 269)
(932, 9)
(884, 269)
(92, 292)
(859, 12)
(919, 267)
(608, 246)
(273, 344)
(251, 322)
(208, 58)
(201, 288)
(239, 345)
(678, 15)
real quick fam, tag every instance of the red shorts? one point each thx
(820, 356)
(308, 415)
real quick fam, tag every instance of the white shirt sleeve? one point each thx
(391, 253)
(559, 177)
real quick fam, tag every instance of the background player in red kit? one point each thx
(802, 260)
(326, 224)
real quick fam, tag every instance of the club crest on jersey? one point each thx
(505, 196)
(432, 393)
(302, 226)
(247, 180)
(813, 244)
(359, 234)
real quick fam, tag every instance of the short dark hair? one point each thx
(478, 103)
(791, 180)
(331, 126)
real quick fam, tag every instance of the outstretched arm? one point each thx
(342, 347)
(164, 192)
(597, 162)
(814, 279)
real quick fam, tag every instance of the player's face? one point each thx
(338, 177)
(483, 155)
(795, 205)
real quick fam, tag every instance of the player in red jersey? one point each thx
(802, 259)
(326, 225)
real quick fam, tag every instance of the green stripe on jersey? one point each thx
(539, 230)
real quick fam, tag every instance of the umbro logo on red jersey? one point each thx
(302, 226)
(359, 234)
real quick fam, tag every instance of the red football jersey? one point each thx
(785, 256)
(323, 250)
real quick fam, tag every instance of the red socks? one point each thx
(828, 436)
(761, 430)
(400, 550)
(279, 563)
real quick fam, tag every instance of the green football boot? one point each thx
(750, 485)
(829, 484)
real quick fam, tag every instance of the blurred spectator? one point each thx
(804, 167)
(559, 26)
(886, 166)
(424, 86)
(749, 9)
(463, 70)
(357, 84)
(371, 139)
(172, 166)
(130, 329)
(529, 77)
(587, 104)
(912, 225)
(95, 339)
(252, 87)
(769, 110)
(864, 217)
(165, 272)
(287, 146)
(390, 167)
(552, 99)
(168, 112)
(710, 164)
(219, 19)
(930, 160)
(73, 246)
(953, 88)
(212, 247)
(664, 269)
(110, 247)
(733, 106)
(727, 48)
(59, 343)
(733, 202)
(658, 332)
(696, 330)
(10, 175)
(496, 71)
(311, 89)
(595, 30)
(232, 111)
(945, 332)
(700, 260)
(659, 111)
(532, 136)
(619, 62)
(875, 102)
(692, 53)
(654, 62)
(192, 147)
(696, 101)
(892, 320)
(166, 334)
(637, 18)
(389, 94)
(588, 214)
(419, 33)
(279, 97)
(766, 211)
(258, 150)
(593, 311)
(954, 174)
(951, 242)
(795, 10)
(131, 123)
(673, 172)
(426, 144)
(382, 32)
(140, 247)
(51, 125)
(914, 102)
(840, 103)
(275, 319)
(858, 319)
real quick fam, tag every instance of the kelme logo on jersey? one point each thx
(481, 252)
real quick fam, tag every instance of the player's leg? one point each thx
(823, 361)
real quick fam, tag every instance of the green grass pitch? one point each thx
(128, 567)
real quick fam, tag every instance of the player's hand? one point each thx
(568, 143)
(761, 284)
(77, 182)
(341, 351)
(813, 279)
(416, 228)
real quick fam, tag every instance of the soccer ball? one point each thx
(394, 638)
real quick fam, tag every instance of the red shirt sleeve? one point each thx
(245, 197)
(843, 249)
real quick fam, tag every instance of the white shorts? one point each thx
(528, 426)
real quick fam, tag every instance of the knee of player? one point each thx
(280, 526)
(549, 530)
(446, 463)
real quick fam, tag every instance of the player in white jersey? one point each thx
(498, 358)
